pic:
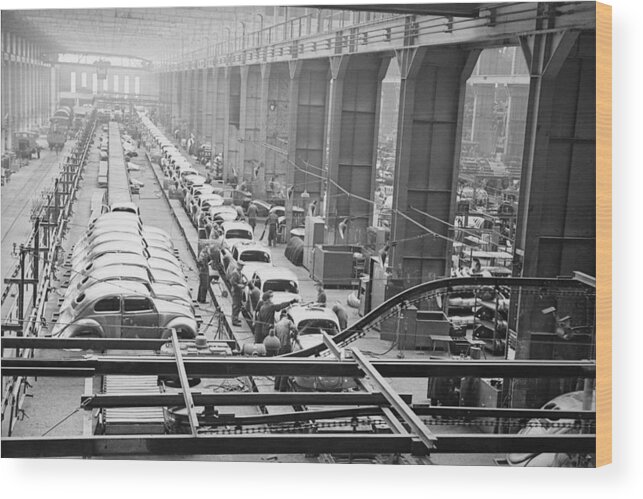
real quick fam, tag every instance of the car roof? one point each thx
(125, 204)
(300, 313)
(271, 273)
(120, 258)
(109, 288)
(116, 271)
(246, 245)
(236, 224)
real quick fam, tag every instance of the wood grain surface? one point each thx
(603, 234)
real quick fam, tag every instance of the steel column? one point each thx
(556, 216)
(432, 93)
(353, 136)
(307, 109)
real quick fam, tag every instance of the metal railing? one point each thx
(14, 387)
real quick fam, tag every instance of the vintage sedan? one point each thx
(127, 272)
(252, 254)
(177, 292)
(203, 205)
(310, 321)
(235, 232)
(221, 214)
(280, 280)
(131, 246)
(572, 401)
(127, 312)
(111, 259)
(98, 239)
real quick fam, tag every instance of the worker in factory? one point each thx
(214, 248)
(204, 275)
(241, 216)
(252, 216)
(255, 296)
(286, 331)
(237, 284)
(321, 294)
(342, 315)
(266, 315)
(271, 224)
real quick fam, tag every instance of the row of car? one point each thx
(125, 281)
(217, 203)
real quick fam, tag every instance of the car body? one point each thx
(572, 401)
(127, 207)
(176, 292)
(252, 254)
(310, 321)
(116, 218)
(136, 273)
(222, 214)
(280, 211)
(235, 232)
(202, 204)
(149, 233)
(162, 254)
(89, 244)
(195, 192)
(280, 280)
(130, 246)
(128, 311)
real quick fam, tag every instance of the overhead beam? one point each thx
(416, 425)
(292, 366)
(159, 445)
(234, 399)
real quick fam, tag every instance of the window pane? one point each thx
(137, 304)
(108, 305)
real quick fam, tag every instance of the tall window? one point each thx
(94, 83)
(73, 81)
(83, 80)
(115, 89)
(126, 84)
(137, 85)
(105, 85)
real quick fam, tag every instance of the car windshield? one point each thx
(238, 234)
(281, 286)
(255, 256)
(315, 326)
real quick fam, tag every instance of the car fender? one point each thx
(180, 323)
(81, 328)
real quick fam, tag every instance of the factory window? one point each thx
(115, 89)
(73, 81)
(126, 84)
(94, 83)
(105, 85)
(137, 85)
(83, 80)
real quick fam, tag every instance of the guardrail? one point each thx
(500, 24)
(14, 389)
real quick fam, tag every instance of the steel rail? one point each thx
(235, 399)
(158, 445)
(220, 367)
(425, 435)
(90, 343)
(433, 286)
